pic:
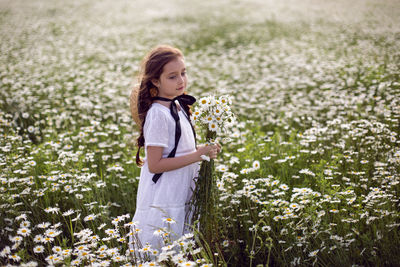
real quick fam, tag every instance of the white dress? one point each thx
(168, 197)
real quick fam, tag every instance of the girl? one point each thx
(171, 157)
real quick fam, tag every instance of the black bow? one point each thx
(183, 100)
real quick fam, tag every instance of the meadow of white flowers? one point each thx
(308, 176)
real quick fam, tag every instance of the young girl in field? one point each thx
(171, 157)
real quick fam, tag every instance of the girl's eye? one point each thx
(182, 74)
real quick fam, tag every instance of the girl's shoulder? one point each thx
(158, 111)
(157, 107)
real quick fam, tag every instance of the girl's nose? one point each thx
(181, 79)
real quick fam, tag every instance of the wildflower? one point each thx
(66, 252)
(111, 231)
(212, 126)
(20, 217)
(102, 248)
(118, 258)
(101, 226)
(375, 189)
(24, 231)
(52, 233)
(90, 217)
(167, 247)
(177, 258)
(197, 251)
(81, 248)
(57, 249)
(203, 102)
(154, 252)
(187, 264)
(115, 221)
(68, 212)
(266, 228)
(121, 239)
(283, 187)
(313, 253)
(38, 249)
(321, 213)
(281, 160)
(15, 257)
(43, 225)
(51, 210)
(351, 200)
(29, 264)
(131, 224)
(145, 249)
(275, 182)
(137, 230)
(38, 239)
(102, 255)
(245, 171)
(25, 224)
(6, 250)
(277, 218)
(222, 168)
(307, 171)
(16, 239)
(53, 259)
(76, 262)
(47, 239)
(169, 220)
(104, 263)
(159, 232)
(256, 164)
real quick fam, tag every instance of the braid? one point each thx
(187, 108)
(144, 104)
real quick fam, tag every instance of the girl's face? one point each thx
(173, 80)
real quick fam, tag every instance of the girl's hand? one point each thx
(209, 150)
(219, 148)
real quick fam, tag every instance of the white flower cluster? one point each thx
(214, 113)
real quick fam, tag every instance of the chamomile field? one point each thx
(308, 176)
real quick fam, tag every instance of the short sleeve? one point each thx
(155, 129)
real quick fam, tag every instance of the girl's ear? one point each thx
(155, 82)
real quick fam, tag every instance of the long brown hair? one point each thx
(152, 68)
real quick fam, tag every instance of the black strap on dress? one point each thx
(182, 99)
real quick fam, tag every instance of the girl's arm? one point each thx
(158, 164)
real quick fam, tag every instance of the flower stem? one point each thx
(203, 198)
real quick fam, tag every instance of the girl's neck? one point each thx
(167, 104)
(164, 103)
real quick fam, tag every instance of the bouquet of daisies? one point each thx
(214, 116)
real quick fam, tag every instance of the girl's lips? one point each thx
(180, 88)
